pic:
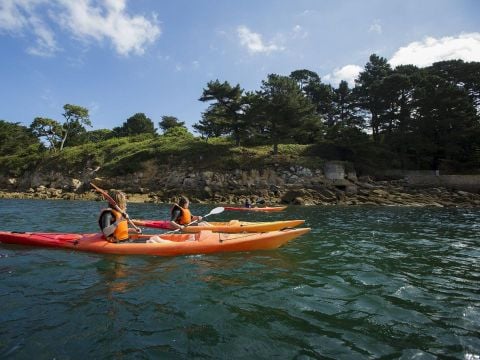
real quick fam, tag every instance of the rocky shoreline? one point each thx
(379, 193)
(334, 184)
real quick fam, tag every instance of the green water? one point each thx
(366, 283)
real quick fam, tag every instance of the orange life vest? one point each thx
(185, 218)
(121, 231)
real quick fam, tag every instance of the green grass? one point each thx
(130, 154)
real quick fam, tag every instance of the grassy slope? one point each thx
(126, 155)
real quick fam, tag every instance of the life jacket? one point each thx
(185, 217)
(121, 231)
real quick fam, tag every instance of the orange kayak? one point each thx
(204, 242)
(267, 208)
(232, 226)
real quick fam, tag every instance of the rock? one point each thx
(379, 192)
(351, 189)
(75, 185)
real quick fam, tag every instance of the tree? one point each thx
(368, 91)
(227, 111)
(49, 130)
(14, 138)
(75, 117)
(398, 93)
(212, 124)
(169, 122)
(446, 124)
(305, 79)
(345, 110)
(135, 125)
(320, 94)
(284, 108)
(465, 75)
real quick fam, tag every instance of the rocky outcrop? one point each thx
(331, 185)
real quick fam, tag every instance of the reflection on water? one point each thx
(367, 282)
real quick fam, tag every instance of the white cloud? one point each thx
(424, 53)
(17, 16)
(348, 73)
(45, 43)
(85, 19)
(129, 34)
(11, 18)
(254, 43)
(376, 27)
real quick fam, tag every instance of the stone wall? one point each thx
(457, 182)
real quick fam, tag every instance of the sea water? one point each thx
(367, 282)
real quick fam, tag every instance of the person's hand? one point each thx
(200, 218)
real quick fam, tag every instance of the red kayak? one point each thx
(204, 242)
(266, 209)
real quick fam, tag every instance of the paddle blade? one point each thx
(215, 211)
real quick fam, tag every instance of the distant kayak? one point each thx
(204, 242)
(232, 226)
(267, 208)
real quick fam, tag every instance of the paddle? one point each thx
(215, 211)
(115, 205)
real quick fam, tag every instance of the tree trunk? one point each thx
(63, 140)
(275, 148)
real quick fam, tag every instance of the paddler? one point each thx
(181, 215)
(113, 224)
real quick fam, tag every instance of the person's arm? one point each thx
(107, 224)
(173, 220)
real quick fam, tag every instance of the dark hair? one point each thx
(183, 200)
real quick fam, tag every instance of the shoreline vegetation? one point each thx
(294, 141)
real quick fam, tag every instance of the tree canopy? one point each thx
(15, 138)
(169, 122)
(135, 125)
(75, 117)
(420, 118)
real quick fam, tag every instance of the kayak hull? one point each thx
(233, 226)
(264, 209)
(204, 242)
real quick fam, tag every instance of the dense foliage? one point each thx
(407, 118)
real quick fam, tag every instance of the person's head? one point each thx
(120, 198)
(183, 202)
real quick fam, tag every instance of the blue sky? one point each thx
(119, 57)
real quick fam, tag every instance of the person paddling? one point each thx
(181, 215)
(113, 224)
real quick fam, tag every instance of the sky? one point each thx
(121, 57)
